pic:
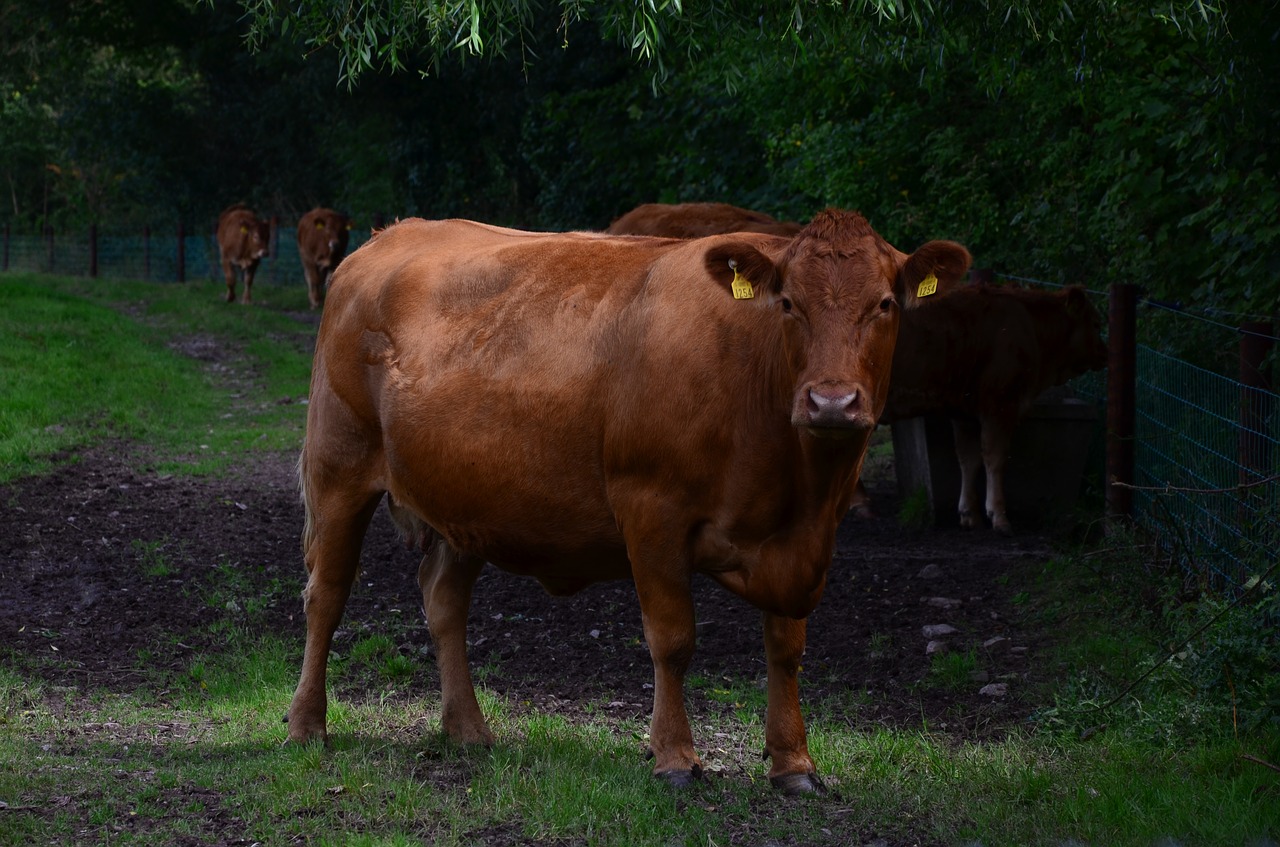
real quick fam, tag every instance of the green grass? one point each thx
(86, 360)
(192, 753)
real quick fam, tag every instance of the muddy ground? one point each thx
(107, 562)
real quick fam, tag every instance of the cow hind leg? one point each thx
(446, 578)
(229, 275)
(997, 432)
(335, 526)
(785, 742)
(313, 285)
(860, 504)
(969, 454)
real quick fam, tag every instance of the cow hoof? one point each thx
(680, 778)
(798, 784)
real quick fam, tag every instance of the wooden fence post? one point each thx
(1121, 366)
(1256, 340)
(182, 252)
(93, 251)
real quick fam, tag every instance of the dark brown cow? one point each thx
(982, 355)
(242, 242)
(322, 242)
(696, 220)
(578, 407)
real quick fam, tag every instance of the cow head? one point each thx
(1085, 349)
(840, 288)
(334, 230)
(258, 235)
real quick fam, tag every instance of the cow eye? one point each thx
(786, 304)
(886, 304)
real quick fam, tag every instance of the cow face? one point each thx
(840, 288)
(1085, 348)
(257, 234)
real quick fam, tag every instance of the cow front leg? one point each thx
(785, 742)
(969, 454)
(332, 557)
(666, 607)
(446, 578)
(248, 284)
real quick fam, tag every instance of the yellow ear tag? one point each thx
(319, 224)
(244, 229)
(928, 285)
(742, 289)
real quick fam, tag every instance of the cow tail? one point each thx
(304, 491)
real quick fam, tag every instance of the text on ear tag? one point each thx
(742, 289)
(928, 285)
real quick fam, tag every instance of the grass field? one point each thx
(192, 754)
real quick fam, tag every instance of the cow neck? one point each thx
(786, 574)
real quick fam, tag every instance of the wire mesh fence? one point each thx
(1206, 440)
(159, 256)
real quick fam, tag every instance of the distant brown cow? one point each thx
(982, 355)
(243, 240)
(696, 220)
(322, 242)
(579, 407)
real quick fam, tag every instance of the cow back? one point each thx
(983, 347)
(697, 220)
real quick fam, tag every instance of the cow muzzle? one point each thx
(833, 412)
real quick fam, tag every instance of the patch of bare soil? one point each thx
(108, 564)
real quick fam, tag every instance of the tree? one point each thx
(377, 35)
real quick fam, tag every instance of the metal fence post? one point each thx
(1121, 366)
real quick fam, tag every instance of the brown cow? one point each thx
(242, 242)
(982, 355)
(696, 220)
(322, 242)
(579, 407)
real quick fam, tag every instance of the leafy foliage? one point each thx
(1087, 142)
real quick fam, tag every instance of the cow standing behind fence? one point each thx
(981, 356)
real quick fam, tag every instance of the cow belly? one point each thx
(522, 497)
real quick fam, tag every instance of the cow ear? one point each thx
(931, 271)
(742, 270)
